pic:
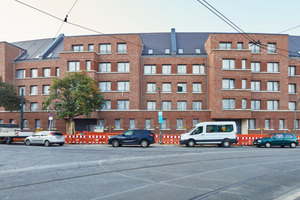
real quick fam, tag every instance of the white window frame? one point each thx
(122, 49)
(252, 124)
(182, 86)
(181, 105)
(255, 48)
(123, 86)
(225, 45)
(20, 88)
(34, 73)
(46, 89)
(244, 104)
(166, 88)
(198, 69)
(104, 48)
(151, 105)
(117, 124)
(272, 105)
(151, 87)
(77, 48)
(104, 67)
(272, 67)
(21, 73)
(131, 124)
(73, 66)
(255, 66)
(123, 104)
(255, 86)
(33, 90)
(166, 105)
(107, 105)
(197, 87)
(197, 105)
(281, 124)
(123, 67)
(292, 88)
(271, 48)
(228, 84)
(147, 124)
(255, 104)
(88, 65)
(228, 64)
(292, 105)
(166, 69)
(292, 71)
(150, 69)
(181, 69)
(104, 86)
(228, 104)
(179, 123)
(33, 106)
(244, 84)
(273, 86)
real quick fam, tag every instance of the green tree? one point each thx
(74, 95)
(9, 98)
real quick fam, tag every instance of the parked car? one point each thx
(222, 133)
(142, 137)
(277, 139)
(46, 138)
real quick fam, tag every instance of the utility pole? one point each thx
(160, 119)
(21, 109)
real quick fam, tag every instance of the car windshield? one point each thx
(269, 136)
(57, 133)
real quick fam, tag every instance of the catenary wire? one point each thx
(289, 29)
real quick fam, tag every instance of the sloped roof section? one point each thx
(294, 46)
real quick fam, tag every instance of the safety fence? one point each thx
(102, 138)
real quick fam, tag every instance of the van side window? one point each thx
(219, 128)
(198, 130)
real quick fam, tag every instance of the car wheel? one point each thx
(115, 143)
(144, 143)
(47, 143)
(293, 145)
(8, 140)
(27, 142)
(191, 143)
(61, 144)
(268, 145)
(226, 143)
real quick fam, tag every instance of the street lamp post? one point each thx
(295, 122)
(160, 137)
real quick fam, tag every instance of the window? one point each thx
(167, 51)
(244, 104)
(255, 48)
(77, 48)
(131, 123)
(57, 71)
(151, 105)
(46, 89)
(21, 73)
(239, 45)
(198, 69)
(244, 64)
(181, 69)
(166, 87)
(123, 85)
(225, 45)
(73, 66)
(105, 48)
(181, 87)
(49, 55)
(228, 84)
(24, 123)
(166, 105)
(255, 85)
(272, 105)
(121, 48)
(181, 105)
(150, 69)
(150, 51)
(105, 86)
(198, 51)
(117, 124)
(123, 105)
(273, 86)
(255, 66)
(166, 69)
(292, 105)
(267, 123)
(297, 123)
(147, 123)
(228, 64)
(88, 65)
(292, 70)
(292, 88)
(252, 124)
(197, 87)
(179, 123)
(101, 123)
(164, 124)
(272, 67)
(107, 105)
(37, 123)
(104, 67)
(46, 72)
(228, 104)
(180, 51)
(197, 105)
(271, 48)
(151, 87)
(255, 104)
(20, 90)
(11, 121)
(244, 84)
(33, 106)
(195, 122)
(33, 90)
(91, 47)
(123, 67)
(281, 124)
(34, 73)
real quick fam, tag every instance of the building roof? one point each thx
(294, 46)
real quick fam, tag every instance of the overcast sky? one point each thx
(19, 22)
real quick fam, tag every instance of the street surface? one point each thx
(92, 172)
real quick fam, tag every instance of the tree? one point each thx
(9, 98)
(74, 95)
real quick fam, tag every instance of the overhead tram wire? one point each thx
(64, 20)
(239, 30)
(289, 29)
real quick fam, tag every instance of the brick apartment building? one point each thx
(191, 77)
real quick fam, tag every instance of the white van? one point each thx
(222, 133)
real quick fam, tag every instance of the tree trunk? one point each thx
(70, 128)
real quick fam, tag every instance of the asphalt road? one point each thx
(158, 172)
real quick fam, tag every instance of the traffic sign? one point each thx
(51, 114)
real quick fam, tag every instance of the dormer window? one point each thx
(167, 51)
(49, 55)
(150, 51)
(197, 51)
(180, 50)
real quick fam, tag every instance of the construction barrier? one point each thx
(87, 137)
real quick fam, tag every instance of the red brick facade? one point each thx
(211, 95)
